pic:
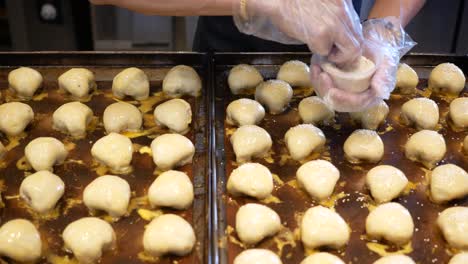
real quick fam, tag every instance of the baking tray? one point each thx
(79, 168)
(427, 243)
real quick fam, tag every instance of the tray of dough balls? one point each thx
(103, 158)
(300, 183)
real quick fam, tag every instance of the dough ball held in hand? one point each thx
(372, 117)
(43, 153)
(313, 110)
(254, 222)
(16, 117)
(243, 77)
(174, 114)
(77, 81)
(114, 151)
(296, 73)
(275, 95)
(447, 78)
(363, 145)
(422, 112)
(122, 117)
(249, 142)
(182, 80)
(20, 240)
(131, 82)
(427, 147)
(42, 190)
(406, 79)
(303, 139)
(251, 179)
(171, 189)
(24, 81)
(244, 111)
(172, 150)
(72, 118)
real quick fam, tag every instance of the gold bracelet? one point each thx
(243, 9)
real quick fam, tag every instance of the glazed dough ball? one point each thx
(322, 258)
(121, 117)
(318, 178)
(426, 146)
(181, 80)
(422, 112)
(257, 256)
(88, 237)
(275, 95)
(108, 193)
(244, 111)
(386, 183)
(72, 118)
(131, 82)
(172, 150)
(448, 182)
(249, 142)
(42, 190)
(447, 78)
(460, 258)
(174, 114)
(372, 117)
(43, 153)
(459, 112)
(406, 79)
(364, 145)
(251, 179)
(20, 241)
(24, 81)
(391, 222)
(77, 81)
(254, 222)
(395, 259)
(169, 234)
(323, 227)
(171, 189)
(16, 117)
(243, 77)
(114, 151)
(313, 110)
(303, 139)
(296, 73)
(453, 222)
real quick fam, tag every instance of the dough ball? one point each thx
(77, 81)
(16, 117)
(395, 259)
(72, 118)
(43, 153)
(364, 145)
(249, 142)
(108, 193)
(20, 241)
(254, 222)
(182, 80)
(427, 147)
(244, 111)
(296, 73)
(406, 79)
(169, 234)
(243, 77)
(391, 222)
(323, 227)
(447, 78)
(121, 117)
(318, 178)
(460, 258)
(172, 150)
(303, 139)
(131, 82)
(459, 112)
(313, 110)
(88, 237)
(24, 81)
(453, 222)
(275, 95)
(422, 112)
(386, 183)
(448, 182)
(171, 189)
(251, 179)
(114, 151)
(257, 256)
(322, 258)
(42, 190)
(372, 117)
(174, 114)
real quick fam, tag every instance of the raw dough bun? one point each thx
(114, 151)
(427, 147)
(249, 142)
(172, 150)
(88, 237)
(43, 153)
(322, 258)
(121, 117)
(448, 182)
(296, 73)
(42, 190)
(460, 258)
(182, 80)
(243, 77)
(108, 193)
(16, 117)
(20, 241)
(24, 81)
(422, 112)
(77, 81)
(318, 178)
(244, 111)
(303, 139)
(391, 222)
(395, 259)
(72, 118)
(257, 256)
(131, 82)
(406, 79)
(459, 112)
(174, 114)
(313, 110)
(453, 222)
(275, 95)
(372, 117)
(447, 78)
(386, 183)
(364, 145)
(254, 222)
(171, 189)
(169, 234)
(251, 179)
(323, 227)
